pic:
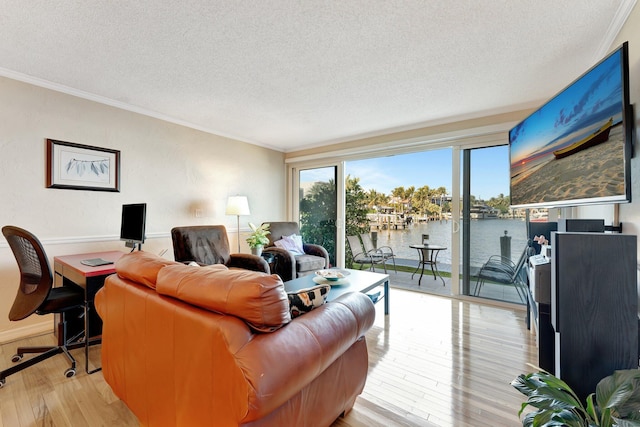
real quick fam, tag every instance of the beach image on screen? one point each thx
(572, 148)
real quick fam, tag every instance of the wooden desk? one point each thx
(69, 270)
(428, 254)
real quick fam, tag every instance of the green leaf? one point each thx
(592, 410)
(549, 397)
(557, 404)
(258, 236)
(616, 402)
(620, 392)
(626, 423)
(527, 421)
(605, 419)
(525, 384)
(558, 418)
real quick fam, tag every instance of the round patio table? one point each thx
(428, 254)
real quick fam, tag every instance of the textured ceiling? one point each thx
(296, 74)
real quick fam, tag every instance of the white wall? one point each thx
(630, 213)
(175, 170)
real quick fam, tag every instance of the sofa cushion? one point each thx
(305, 300)
(257, 298)
(309, 263)
(141, 267)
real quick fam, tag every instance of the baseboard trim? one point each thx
(26, 331)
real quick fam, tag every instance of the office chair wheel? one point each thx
(69, 372)
(2, 382)
(16, 358)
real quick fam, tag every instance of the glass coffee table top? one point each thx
(354, 281)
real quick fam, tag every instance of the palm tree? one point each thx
(421, 199)
(402, 196)
(374, 198)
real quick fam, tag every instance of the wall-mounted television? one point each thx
(132, 226)
(576, 148)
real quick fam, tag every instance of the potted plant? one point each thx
(258, 238)
(616, 401)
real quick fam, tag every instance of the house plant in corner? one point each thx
(616, 401)
(258, 238)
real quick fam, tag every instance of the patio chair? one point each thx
(384, 251)
(362, 257)
(499, 269)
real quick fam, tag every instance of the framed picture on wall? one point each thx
(82, 167)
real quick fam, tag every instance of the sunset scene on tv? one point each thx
(572, 148)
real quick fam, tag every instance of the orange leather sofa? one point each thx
(210, 346)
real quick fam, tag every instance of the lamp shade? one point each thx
(238, 205)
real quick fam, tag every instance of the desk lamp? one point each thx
(238, 205)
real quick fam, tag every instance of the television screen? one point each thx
(133, 222)
(576, 148)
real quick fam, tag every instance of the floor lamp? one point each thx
(238, 205)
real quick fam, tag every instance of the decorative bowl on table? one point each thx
(332, 275)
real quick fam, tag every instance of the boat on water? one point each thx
(598, 137)
(483, 212)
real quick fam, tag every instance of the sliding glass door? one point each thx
(458, 196)
(318, 207)
(489, 227)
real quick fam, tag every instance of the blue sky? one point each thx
(585, 104)
(489, 171)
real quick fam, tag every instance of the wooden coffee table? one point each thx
(356, 281)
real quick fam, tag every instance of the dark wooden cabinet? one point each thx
(594, 306)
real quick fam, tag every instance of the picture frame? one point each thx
(82, 167)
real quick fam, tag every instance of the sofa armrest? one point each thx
(317, 250)
(248, 262)
(285, 263)
(280, 364)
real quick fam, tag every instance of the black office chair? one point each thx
(36, 294)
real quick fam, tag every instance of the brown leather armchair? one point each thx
(209, 244)
(287, 265)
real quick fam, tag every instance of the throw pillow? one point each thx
(291, 243)
(297, 241)
(305, 300)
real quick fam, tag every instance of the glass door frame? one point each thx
(293, 200)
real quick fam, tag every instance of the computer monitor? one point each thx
(133, 224)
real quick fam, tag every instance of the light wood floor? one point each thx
(433, 361)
